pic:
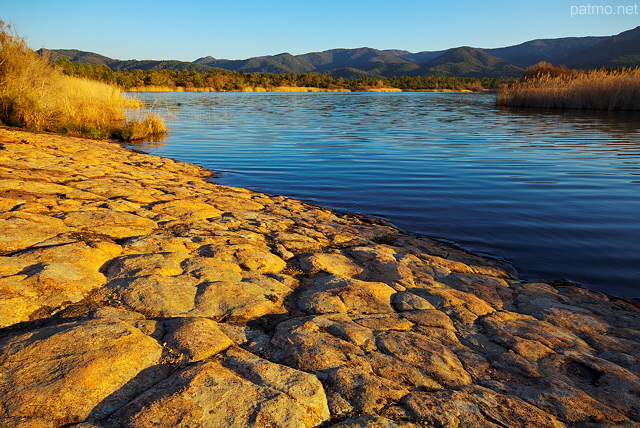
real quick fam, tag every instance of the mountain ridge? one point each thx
(551, 50)
(622, 50)
(465, 61)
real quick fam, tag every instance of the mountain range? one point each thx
(575, 52)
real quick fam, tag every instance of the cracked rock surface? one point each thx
(134, 292)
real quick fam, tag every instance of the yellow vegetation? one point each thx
(156, 88)
(596, 89)
(446, 90)
(382, 90)
(138, 129)
(37, 96)
(151, 88)
(253, 89)
(304, 89)
(378, 87)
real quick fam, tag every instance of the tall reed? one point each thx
(36, 95)
(594, 89)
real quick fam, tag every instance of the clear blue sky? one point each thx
(235, 29)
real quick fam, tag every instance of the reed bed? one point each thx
(595, 89)
(37, 96)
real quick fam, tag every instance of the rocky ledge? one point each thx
(136, 293)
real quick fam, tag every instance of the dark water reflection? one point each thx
(556, 193)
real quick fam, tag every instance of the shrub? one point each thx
(36, 95)
(544, 68)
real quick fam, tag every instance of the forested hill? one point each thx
(468, 62)
(334, 62)
(622, 50)
(76, 56)
(580, 52)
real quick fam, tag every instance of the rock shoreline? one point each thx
(136, 293)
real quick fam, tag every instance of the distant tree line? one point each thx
(224, 80)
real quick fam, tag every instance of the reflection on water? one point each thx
(610, 122)
(556, 193)
(150, 143)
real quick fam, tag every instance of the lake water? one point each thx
(555, 193)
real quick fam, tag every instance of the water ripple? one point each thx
(554, 192)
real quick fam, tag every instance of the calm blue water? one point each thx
(557, 194)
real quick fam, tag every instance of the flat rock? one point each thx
(335, 264)
(530, 337)
(430, 356)
(156, 295)
(166, 264)
(115, 224)
(382, 266)
(207, 269)
(110, 188)
(39, 187)
(156, 243)
(250, 256)
(129, 282)
(189, 208)
(61, 374)
(475, 406)
(407, 301)
(345, 295)
(241, 301)
(372, 421)
(195, 338)
(50, 276)
(18, 233)
(223, 393)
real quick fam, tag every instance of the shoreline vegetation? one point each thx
(88, 100)
(38, 96)
(233, 81)
(152, 88)
(542, 85)
(546, 86)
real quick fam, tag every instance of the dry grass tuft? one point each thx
(138, 129)
(37, 96)
(595, 89)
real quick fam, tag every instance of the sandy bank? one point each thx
(137, 293)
